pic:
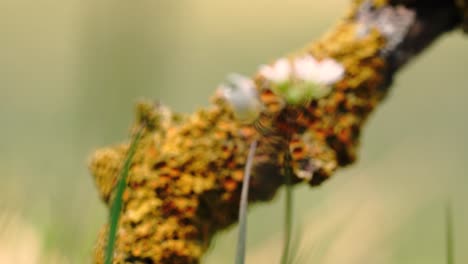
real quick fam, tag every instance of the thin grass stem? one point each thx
(242, 237)
(288, 209)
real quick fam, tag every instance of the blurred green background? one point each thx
(71, 71)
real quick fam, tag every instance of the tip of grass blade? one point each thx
(449, 238)
(242, 237)
(116, 205)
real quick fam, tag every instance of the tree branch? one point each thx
(185, 180)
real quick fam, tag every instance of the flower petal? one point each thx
(306, 68)
(330, 72)
(279, 72)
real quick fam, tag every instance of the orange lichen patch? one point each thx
(230, 185)
(238, 175)
(248, 132)
(273, 103)
(297, 149)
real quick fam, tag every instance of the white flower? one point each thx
(241, 93)
(279, 72)
(325, 72)
(306, 68)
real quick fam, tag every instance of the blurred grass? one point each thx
(449, 232)
(70, 72)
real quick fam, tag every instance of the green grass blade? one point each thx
(449, 238)
(288, 209)
(116, 205)
(242, 237)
